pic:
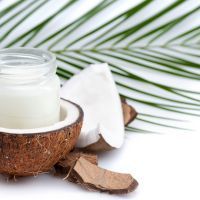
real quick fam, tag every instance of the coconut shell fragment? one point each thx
(101, 105)
(129, 112)
(92, 177)
(64, 165)
(99, 146)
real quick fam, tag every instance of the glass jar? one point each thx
(29, 88)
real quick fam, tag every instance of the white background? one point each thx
(166, 166)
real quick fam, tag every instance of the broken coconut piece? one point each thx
(95, 91)
(64, 165)
(129, 112)
(26, 152)
(93, 177)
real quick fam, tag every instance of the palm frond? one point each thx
(154, 57)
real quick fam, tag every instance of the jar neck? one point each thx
(26, 65)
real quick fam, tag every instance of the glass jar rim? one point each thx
(23, 62)
(50, 58)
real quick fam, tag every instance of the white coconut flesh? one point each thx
(69, 114)
(95, 91)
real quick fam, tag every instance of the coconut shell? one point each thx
(92, 177)
(32, 154)
(129, 112)
(99, 146)
(64, 165)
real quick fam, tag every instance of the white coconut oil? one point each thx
(29, 89)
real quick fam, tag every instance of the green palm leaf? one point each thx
(153, 57)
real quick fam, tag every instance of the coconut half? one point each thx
(25, 152)
(95, 91)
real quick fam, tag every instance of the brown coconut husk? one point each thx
(99, 146)
(64, 165)
(129, 112)
(92, 177)
(32, 154)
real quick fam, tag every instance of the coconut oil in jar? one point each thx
(29, 88)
